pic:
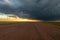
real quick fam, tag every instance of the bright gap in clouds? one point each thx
(12, 17)
(2, 15)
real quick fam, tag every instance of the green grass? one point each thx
(54, 23)
(8, 22)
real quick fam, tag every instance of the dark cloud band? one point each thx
(37, 9)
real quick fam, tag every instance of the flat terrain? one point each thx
(54, 23)
(29, 31)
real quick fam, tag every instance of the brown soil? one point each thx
(29, 31)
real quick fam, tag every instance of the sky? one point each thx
(35, 9)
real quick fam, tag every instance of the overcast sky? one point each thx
(36, 9)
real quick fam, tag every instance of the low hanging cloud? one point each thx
(37, 9)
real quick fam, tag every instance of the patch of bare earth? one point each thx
(29, 31)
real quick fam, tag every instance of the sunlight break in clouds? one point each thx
(2, 15)
(12, 17)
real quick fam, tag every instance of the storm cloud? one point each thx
(36, 9)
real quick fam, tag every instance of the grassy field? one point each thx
(11, 22)
(54, 23)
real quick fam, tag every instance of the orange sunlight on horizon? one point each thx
(14, 18)
(18, 19)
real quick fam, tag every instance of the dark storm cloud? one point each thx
(37, 9)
